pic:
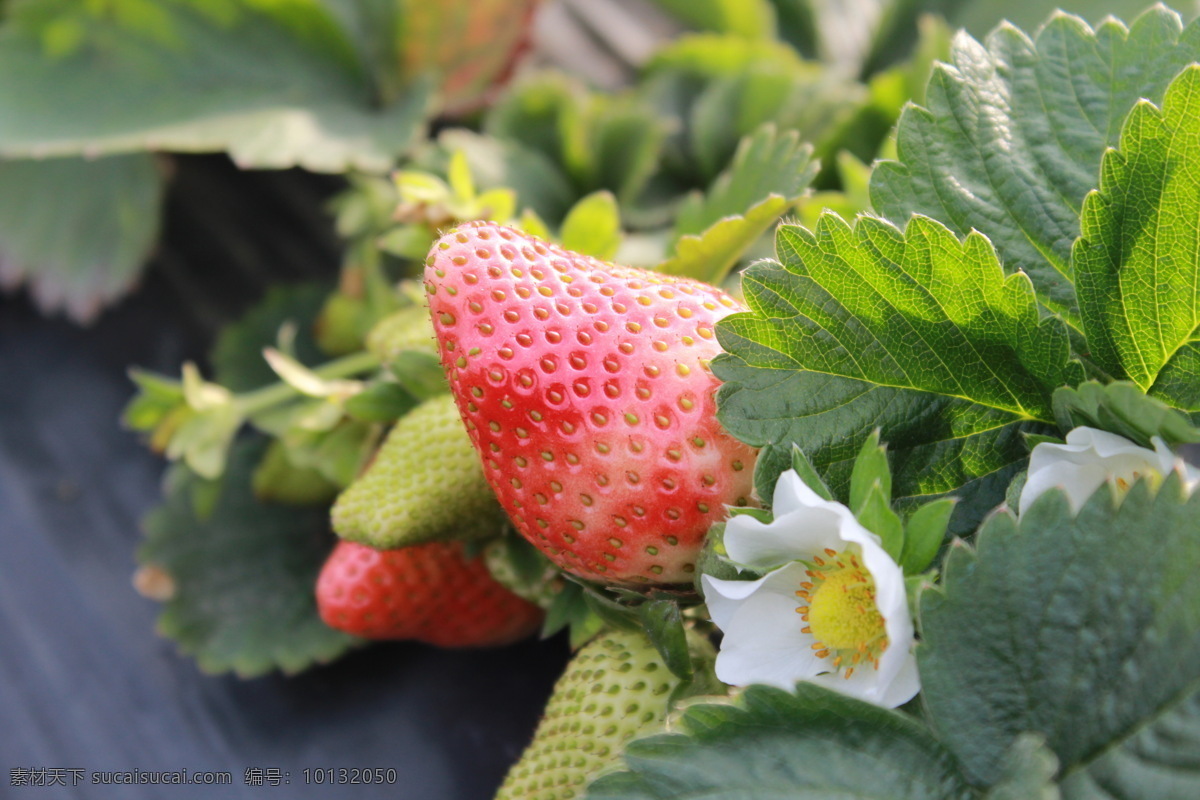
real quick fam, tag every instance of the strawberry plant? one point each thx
(912, 487)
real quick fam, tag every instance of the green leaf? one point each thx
(593, 226)
(236, 356)
(1138, 256)
(708, 55)
(1123, 409)
(768, 175)
(870, 470)
(663, 623)
(1159, 762)
(916, 333)
(770, 743)
(803, 99)
(1012, 132)
(243, 577)
(752, 19)
(924, 533)
(1029, 772)
(77, 231)
(531, 111)
(1084, 629)
(612, 142)
(275, 85)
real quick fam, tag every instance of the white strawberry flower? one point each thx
(833, 609)
(1093, 457)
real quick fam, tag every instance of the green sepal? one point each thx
(277, 480)
(761, 514)
(876, 515)
(381, 401)
(570, 609)
(337, 453)
(663, 623)
(1032, 440)
(773, 461)
(870, 473)
(420, 374)
(924, 532)
(808, 473)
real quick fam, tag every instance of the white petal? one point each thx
(1088, 459)
(904, 686)
(799, 534)
(763, 642)
(723, 597)
(792, 494)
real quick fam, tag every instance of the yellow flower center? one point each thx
(839, 607)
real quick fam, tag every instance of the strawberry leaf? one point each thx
(593, 226)
(752, 19)
(75, 231)
(915, 332)
(243, 575)
(769, 173)
(275, 85)
(1137, 259)
(1012, 133)
(1029, 771)
(1084, 629)
(772, 743)
(1121, 408)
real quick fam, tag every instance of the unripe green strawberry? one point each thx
(615, 688)
(586, 389)
(425, 484)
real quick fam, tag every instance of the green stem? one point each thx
(258, 400)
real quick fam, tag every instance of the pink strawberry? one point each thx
(427, 593)
(586, 390)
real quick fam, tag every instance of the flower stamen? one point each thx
(841, 614)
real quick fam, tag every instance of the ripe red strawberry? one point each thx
(585, 388)
(428, 593)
